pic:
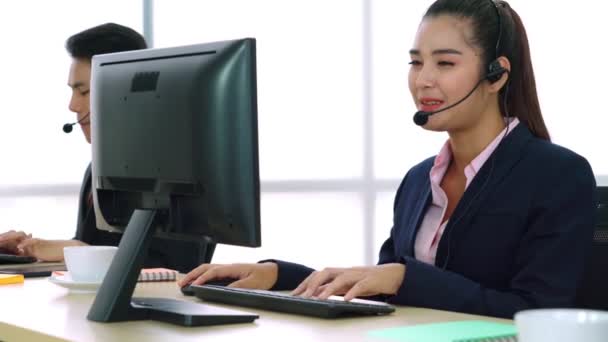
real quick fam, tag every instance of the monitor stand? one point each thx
(113, 302)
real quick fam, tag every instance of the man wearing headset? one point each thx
(106, 38)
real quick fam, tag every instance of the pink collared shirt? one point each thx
(431, 229)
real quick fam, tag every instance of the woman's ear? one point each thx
(504, 62)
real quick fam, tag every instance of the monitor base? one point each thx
(189, 313)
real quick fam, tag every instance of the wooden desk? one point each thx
(41, 311)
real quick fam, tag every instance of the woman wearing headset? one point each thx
(500, 220)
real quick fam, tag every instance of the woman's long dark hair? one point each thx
(520, 91)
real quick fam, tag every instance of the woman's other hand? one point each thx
(253, 276)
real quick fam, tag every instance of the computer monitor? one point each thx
(175, 154)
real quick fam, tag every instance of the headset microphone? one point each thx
(495, 71)
(422, 117)
(67, 128)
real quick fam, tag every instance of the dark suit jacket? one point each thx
(163, 252)
(517, 239)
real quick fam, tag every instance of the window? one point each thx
(310, 97)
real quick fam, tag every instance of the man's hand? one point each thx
(45, 250)
(11, 239)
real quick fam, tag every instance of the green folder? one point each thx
(458, 331)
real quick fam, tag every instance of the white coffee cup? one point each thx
(88, 263)
(562, 325)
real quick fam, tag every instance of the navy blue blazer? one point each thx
(518, 238)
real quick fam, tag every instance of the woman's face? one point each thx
(444, 69)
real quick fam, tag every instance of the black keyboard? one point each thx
(15, 259)
(277, 301)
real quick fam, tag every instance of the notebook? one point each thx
(38, 269)
(457, 331)
(147, 274)
(157, 274)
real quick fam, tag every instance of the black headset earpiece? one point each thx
(495, 71)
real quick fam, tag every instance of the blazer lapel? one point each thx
(493, 171)
(422, 203)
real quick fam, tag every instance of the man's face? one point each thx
(79, 80)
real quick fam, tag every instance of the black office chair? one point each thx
(593, 292)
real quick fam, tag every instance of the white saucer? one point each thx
(74, 286)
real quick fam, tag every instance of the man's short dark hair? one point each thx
(106, 38)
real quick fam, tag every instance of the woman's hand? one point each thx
(353, 282)
(11, 239)
(253, 276)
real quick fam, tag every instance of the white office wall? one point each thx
(312, 108)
